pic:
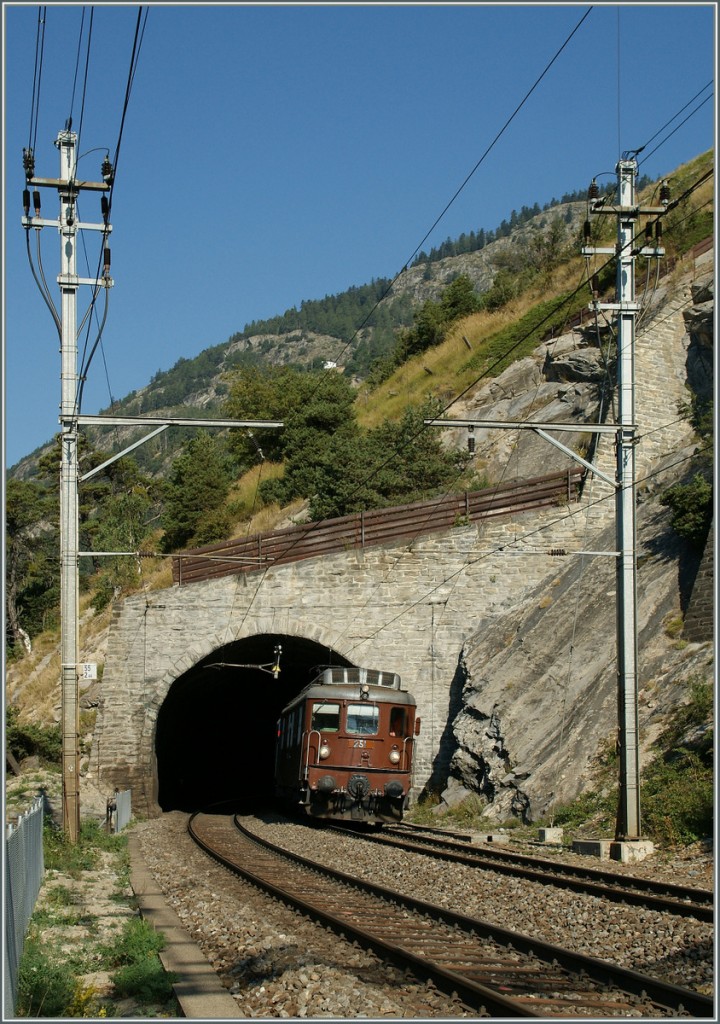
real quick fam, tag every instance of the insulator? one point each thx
(594, 190)
(36, 202)
(664, 193)
(106, 260)
(595, 285)
(105, 207)
(557, 551)
(29, 163)
(587, 232)
(471, 445)
(26, 201)
(107, 171)
(648, 233)
(658, 230)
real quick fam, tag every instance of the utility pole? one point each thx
(68, 188)
(628, 817)
(626, 308)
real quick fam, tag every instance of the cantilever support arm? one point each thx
(577, 458)
(541, 429)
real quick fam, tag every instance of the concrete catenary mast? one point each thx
(626, 250)
(68, 187)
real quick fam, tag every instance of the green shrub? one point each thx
(140, 973)
(137, 941)
(62, 855)
(677, 798)
(147, 981)
(692, 508)
(45, 988)
(28, 740)
(677, 785)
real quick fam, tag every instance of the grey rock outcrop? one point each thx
(539, 705)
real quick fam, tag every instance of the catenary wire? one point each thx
(262, 580)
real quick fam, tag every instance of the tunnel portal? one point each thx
(215, 737)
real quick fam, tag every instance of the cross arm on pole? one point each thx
(174, 421)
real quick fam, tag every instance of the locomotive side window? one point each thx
(398, 722)
(362, 719)
(326, 717)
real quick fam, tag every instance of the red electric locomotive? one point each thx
(345, 746)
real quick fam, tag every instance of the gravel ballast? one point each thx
(275, 963)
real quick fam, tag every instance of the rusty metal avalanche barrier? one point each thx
(375, 527)
(491, 969)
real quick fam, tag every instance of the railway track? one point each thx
(491, 970)
(629, 889)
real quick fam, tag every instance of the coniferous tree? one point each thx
(194, 494)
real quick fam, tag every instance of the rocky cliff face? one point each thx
(539, 704)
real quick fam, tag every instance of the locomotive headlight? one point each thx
(324, 751)
(394, 756)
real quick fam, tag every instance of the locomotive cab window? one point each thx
(362, 719)
(398, 722)
(326, 717)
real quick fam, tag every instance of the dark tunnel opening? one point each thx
(215, 736)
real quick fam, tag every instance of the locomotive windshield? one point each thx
(326, 717)
(362, 719)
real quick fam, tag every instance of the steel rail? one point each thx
(576, 982)
(643, 892)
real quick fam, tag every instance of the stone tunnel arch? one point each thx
(215, 730)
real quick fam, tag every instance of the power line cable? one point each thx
(85, 80)
(670, 121)
(463, 185)
(37, 77)
(447, 207)
(77, 65)
(677, 128)
(514, 114)
(134, 59)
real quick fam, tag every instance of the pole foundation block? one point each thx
(550, 835)
(631, 851)
(599, 848)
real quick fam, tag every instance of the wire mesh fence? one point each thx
(24, 868)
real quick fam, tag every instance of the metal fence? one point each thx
(360, 530)
(119, 810)
(24, 868)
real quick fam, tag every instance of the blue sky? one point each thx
(274, 153)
